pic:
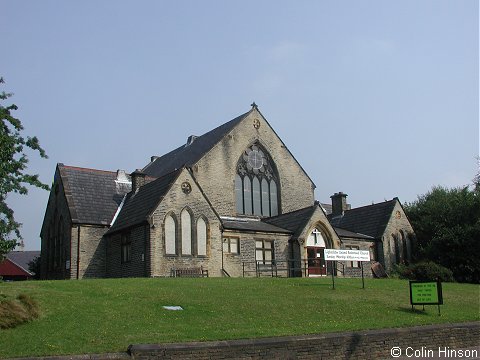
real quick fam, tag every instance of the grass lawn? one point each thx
(96, 316)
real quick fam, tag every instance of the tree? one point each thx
(13, 176)
(447, 226)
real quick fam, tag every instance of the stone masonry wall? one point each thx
(368, 344)
(236, 264)
(92, 251)
(216, 171)
(347, 268)
(173, 203)
(57, 208)
(137, 266)
(397, 225)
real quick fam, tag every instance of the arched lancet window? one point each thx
(186, 219)
(201, 237)
(256, 184)
(170, 235)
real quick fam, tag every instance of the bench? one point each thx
(189, 272)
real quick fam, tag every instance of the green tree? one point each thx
(447, 225)
(13, 176)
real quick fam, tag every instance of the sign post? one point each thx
(426, 293)
(347, 255)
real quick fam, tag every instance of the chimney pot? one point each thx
(339, 203)
(138, 180)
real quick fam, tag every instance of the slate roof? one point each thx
(369, 220)
(188, 154)
(22, 258)
(350, 234)
(93, 196)
(138, 206)
(252, 225)
(294, 221)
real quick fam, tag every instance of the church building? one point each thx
(232, 202)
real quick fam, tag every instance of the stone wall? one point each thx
(56, 211)
(216, 170)
(236, 265)
(345, 267)
(432, 340)
(174, 202)
(137, 266)
(398, 239)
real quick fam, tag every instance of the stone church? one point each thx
(232, 202)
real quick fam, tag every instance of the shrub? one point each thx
(426, 270)
(17, 311)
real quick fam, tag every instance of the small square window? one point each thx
(231, 246)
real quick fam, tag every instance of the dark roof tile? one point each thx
(294, 221)
(23, 258)
(369, 220)
(93, 195)
(138, 206)
(188, 154)
(253, 225)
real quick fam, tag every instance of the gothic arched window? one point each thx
(201, 237)
(256, 184)
(186, 219)
(170, 235)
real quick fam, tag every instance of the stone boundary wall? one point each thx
(430, 341)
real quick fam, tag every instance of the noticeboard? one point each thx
(426, 293)
(346, 255)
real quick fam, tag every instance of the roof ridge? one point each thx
(184, 156)
(86, 169)
(376, 204)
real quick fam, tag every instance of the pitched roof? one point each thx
(138, 206)
(350, 234)
(369, 220)
(252, 225)
(294, 221)
(188, 154)
(23, 258)
(93, 196)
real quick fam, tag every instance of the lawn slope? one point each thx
(95, 316)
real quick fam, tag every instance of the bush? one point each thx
(428, 271)
(17, 311)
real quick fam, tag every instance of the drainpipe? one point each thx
(78, 253)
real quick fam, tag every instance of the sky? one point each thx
(378, 99)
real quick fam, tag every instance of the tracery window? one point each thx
(256, 184)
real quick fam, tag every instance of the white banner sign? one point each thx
(347, 255)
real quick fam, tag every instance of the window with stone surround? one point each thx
(256, 183)
(231, 245)
(186, 221)
(202, 237)
(126, 248)
(170, 235)
(264, 251)
(352, 264)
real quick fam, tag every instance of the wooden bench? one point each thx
(189, 272)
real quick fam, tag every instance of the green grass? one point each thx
(95, 316)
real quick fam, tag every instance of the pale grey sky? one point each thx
(374, 98)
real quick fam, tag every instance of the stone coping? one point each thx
(257, 342)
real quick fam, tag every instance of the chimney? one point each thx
(138, 180)
(122, 177)
(339, 203)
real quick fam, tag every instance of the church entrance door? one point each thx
(316, 261)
